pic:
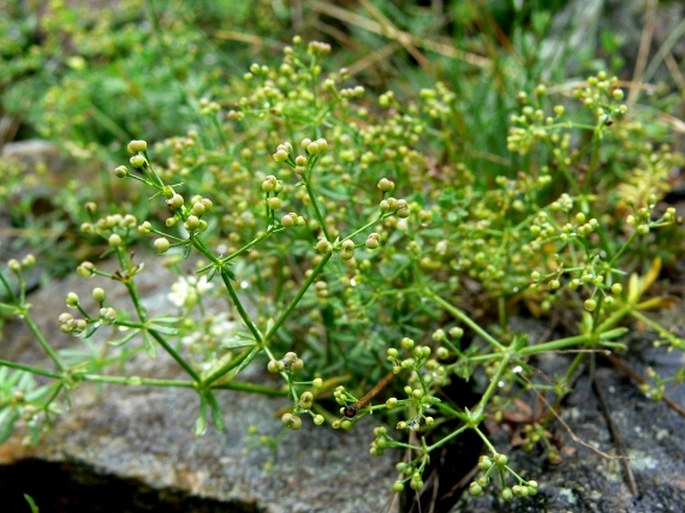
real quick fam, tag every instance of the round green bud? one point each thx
(72, 299)
(288, 220)
(398, 486)
(175, 202)
(501, 459)
(99, 294)
(372, 241)
(269, 183)
(28, 261)
(192, 223)
(198, 208)
(85, 269)
(319, 419)
(137, 161)
(306, 400)
(161, 245)
(291, 421)
(115, 240)
(280, 156)
(136, 146)
(274, 203)
(590, 305)
(120, 171)
(456, 332)
(274, 366)
(407, 343)
(323, 246)
(475, 489)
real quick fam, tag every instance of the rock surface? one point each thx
(146, 434)
(588, 482)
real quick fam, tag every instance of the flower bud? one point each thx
(99, 294)
(14, 265)
(136, 146)
(72, 299)
(115, 240)
(291, 421)
(137, 161)
(385, 185)
(85, 269)
(192, 223)
(175, 202)
(161, 245)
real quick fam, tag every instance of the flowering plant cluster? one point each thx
(350, 245)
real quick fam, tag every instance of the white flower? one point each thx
(186, 290)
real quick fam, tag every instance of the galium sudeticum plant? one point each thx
(352, 247)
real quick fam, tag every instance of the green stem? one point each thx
(447, 438)
(293, 303)
(459, 314)
(366, 226)
(253, 388)
(312, 197)
(43, 342)
(554, 345)
(136, 381)
(13, 297)
(239, 306)
(29, 368)
(175, 355)
(492, 387)
(250, 244)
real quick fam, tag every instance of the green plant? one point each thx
(350, 239)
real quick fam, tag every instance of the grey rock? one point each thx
(147, 433)
(587, 481)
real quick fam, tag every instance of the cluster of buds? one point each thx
(111, 227)
(373, 241)
(289, 363)
(314, 147)
(347, 249)
(292, 219)
(497, 463)
(208, 107)
(137, 148)
(193, 222)
(283, 151)
(352, 92)
(69, 324)
(16, 266)
(603, 97)
(399, 207)
(318, 48)
(273, 187)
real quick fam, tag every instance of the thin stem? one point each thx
(492, 387)
(253, 388)
(459, 314)
(175, 355)
(9, 290)
(239, 306)
(250, 244)
(29, 368)
(554, 345)
(136, 381)
(312, 197)
(447, 438)
(293, 303)
(43, 342)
